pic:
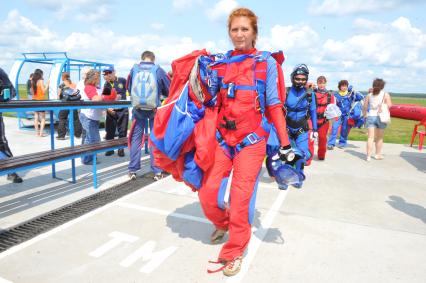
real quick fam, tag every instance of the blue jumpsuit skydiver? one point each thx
(344, 101)
(300, 106)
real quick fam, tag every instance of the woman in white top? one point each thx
(376, 129)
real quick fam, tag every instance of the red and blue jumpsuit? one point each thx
(323, 98)
(241, 144)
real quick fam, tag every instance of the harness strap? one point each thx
(253, 138)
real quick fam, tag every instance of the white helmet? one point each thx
(332, 111)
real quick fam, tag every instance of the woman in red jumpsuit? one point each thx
(246, 78)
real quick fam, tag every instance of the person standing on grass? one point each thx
(29, 96)
(371, 110)
(38, 90)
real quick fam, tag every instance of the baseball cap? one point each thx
(108, 69)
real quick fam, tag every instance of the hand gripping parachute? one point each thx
(203, 81)
(332, 111)
(285, 173)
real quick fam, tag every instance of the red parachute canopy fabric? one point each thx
(181, 69)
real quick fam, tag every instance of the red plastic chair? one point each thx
(421, 134)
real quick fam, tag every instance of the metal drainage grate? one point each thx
(31, 228)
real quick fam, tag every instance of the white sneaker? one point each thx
(158, 176)
(132, 175)
(233, 267)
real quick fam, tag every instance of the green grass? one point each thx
(400, 130)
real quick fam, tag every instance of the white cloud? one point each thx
(379, 50)
(289, 37)
(364, 24)
(342, 7)
(82, 10)
(222, 9)
(19, 34)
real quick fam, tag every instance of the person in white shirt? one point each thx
(376, 128)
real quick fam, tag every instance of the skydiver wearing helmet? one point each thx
(300, 106)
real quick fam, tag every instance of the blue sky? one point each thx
(357, 40)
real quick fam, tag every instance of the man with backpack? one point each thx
(116, 119)
(148, 83)
(7, 91)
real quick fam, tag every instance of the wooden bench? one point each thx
(43, 158)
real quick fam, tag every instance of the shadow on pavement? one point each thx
(414, 210)
(417, 159)
(360, 155)
(201, 232)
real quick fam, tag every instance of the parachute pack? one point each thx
(144, 91)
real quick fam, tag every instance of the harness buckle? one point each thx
(252, 138)
(231, 90)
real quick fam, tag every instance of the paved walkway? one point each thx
(353, 221)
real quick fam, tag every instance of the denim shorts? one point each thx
(374, 122)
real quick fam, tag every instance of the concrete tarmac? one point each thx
(353, 221)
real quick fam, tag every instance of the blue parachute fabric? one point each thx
(192, 174)
(273, 142)
(252, 205)
(179, 127)
(196, 113)
(221, 193)
(3, 156)
(356, 114)
(288, 175)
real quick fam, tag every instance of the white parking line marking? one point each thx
(162, 212)
(62, 227)
(146, 253)
(117, 239)
(12, 203)
(255, 242)
(2, 280)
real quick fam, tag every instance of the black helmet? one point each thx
(300, 69)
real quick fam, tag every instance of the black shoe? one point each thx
(14, 178)
(91, 162)
(330, 147)
(109, 153)
(121, 152)
(61, 138)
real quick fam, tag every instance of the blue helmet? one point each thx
(300, 69)
(285, 173)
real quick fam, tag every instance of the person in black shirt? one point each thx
(5, 151)
(116, 119)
